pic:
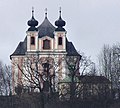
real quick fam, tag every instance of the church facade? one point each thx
(42, 55)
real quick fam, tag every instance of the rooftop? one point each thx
(46, 29)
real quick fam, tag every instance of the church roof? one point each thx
(85, 79)
(46, 29)
(93, 79)
(22, 48)
(71, 51)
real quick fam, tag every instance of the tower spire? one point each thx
(32, 11)
(60, 11)
(45, 12)
(32, 22)
(60, 22)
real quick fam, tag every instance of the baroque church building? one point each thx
(42, 56)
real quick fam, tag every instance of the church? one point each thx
(42, 56)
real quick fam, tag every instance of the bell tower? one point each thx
(60, 34)
(32, 34)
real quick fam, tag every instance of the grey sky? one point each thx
(90, 23)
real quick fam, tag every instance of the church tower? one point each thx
(60, 34)
(32, 34)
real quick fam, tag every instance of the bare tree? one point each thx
(37, 74)
(5, 79)
(87, 66)
(73, 66)
(77, 66)
(109, 64)
(8, 78)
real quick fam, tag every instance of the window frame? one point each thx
(60, 41)
(32, 40)
(46, 44)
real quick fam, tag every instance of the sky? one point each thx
(90, 23)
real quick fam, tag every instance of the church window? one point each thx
(60, 41)
(32, 41)
(46, 44)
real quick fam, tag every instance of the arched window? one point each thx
(32, 40)
(46, 44)
(60, 41)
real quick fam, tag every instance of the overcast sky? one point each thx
(90, 23)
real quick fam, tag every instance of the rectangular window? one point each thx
(46, 44)
(32, 41)
(60, 41)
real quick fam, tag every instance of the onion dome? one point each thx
(60, 23)
(32, 23)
